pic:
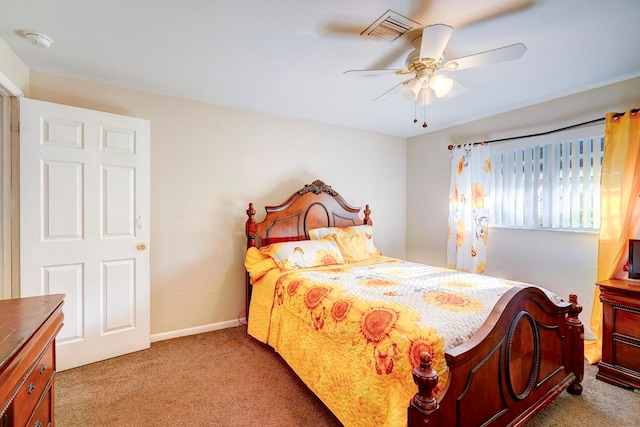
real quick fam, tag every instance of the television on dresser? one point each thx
(634, 259)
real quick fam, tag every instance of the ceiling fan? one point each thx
(426, 62)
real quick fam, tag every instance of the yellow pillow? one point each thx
(258, 264)
(321, 233)
(352, 246)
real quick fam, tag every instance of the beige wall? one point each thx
(564, 262)
(12, 68)
(208, 162)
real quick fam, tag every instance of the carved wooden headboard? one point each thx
(315, 205)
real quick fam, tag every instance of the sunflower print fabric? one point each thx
(303, 254)
(354, 332)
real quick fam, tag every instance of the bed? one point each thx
(353, 326)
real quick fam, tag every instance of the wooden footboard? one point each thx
(527, 352)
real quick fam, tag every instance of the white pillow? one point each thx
(304, 253)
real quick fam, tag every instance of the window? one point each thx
(554, 185)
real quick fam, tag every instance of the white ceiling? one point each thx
(287, 57)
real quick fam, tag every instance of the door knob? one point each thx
(141, 246)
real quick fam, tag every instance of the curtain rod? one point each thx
(590, 122)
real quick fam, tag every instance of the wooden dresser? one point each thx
(28, 327)
(620, 364)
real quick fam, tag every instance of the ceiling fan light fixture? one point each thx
(425, 96)
(408, 94)
(441, 84)
(412, 88)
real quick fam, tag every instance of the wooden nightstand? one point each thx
(620, 364)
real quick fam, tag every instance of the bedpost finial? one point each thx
(367, 213)
(426, 379)
(574, 310)
(251, 212)
(425, 358)
(251, 226)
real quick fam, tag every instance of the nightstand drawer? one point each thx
(626, 354)
(626, 322)
(33, 388)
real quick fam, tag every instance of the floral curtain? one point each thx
(468, 208)
(620, 207)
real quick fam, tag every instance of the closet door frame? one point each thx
(9, 93)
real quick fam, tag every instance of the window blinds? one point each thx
(554, 185)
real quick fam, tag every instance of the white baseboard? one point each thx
(197, 330)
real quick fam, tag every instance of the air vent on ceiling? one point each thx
(390, 26)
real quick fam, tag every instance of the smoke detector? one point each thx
(37, 38)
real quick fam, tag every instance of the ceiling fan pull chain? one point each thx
(415, 112)
(424, 125)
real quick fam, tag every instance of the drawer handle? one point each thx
(37, 424)
(42, 368)
(30, 388)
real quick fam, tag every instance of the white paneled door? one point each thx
(84, 226)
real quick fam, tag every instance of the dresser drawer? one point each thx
(33, 388)
(42, 416)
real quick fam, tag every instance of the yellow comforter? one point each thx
(354, 332)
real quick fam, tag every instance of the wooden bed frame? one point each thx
(526, 353)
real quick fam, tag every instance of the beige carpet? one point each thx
(226, 378)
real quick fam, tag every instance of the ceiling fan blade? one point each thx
(376, 72)
(391, 91)
(434, 40)
(342, 29)
(501, 54)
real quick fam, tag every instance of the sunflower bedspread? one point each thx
(353, 332)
